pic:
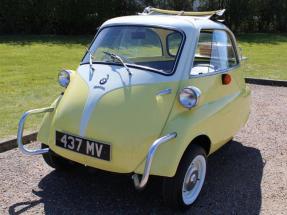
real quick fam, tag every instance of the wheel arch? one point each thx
(171, 153)
(202, 141)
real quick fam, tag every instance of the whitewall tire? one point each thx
(183, 189)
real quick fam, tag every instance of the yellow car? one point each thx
(155, 94)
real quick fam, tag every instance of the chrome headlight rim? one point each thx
(185, 100)
(64, 78)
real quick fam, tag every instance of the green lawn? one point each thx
(267, 55)
(29, 66)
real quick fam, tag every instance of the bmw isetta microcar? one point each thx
(155, 94)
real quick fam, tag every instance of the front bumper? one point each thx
(139, 182)
(21, 124)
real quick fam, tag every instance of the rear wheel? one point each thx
(182, 190)
(57, 162)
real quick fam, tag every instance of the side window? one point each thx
(214, 53)
(173, 43)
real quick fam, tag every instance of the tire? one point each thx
(57, 162)
(179, 194)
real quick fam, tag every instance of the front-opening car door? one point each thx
(123, 93)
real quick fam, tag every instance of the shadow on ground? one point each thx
(232, 187)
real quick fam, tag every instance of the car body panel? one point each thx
(218, 119)
(128, 114)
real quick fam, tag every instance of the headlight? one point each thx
(64, 78)
(189, 97)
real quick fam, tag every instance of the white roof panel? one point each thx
(179, 22)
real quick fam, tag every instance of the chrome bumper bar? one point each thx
(140, 184)
(21, 124)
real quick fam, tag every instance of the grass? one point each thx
(29, 66)
(267, 55)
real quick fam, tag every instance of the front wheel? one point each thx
(182, 190)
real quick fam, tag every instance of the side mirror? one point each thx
(241, 57)
(240, 53)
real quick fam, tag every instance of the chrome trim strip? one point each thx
(140, 183)
(21, 124)
(164, 92)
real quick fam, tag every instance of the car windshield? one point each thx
(148, 48)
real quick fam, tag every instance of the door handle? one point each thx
(164, 92)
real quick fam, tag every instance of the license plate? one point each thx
(83, 146)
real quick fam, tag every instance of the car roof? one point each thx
(183, 23)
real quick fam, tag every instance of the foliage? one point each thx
(241, 15)
(84, 16)
(59, 16)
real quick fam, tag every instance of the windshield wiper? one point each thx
(91, 57)
(92, 69)
(117, 57)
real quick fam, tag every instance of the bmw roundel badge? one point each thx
(104, 80)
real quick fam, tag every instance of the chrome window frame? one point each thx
(167, 44)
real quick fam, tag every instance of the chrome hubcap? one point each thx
(193, 180)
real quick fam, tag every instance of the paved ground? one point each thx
(249, 176)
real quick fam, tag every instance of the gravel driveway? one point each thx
(248, 176)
